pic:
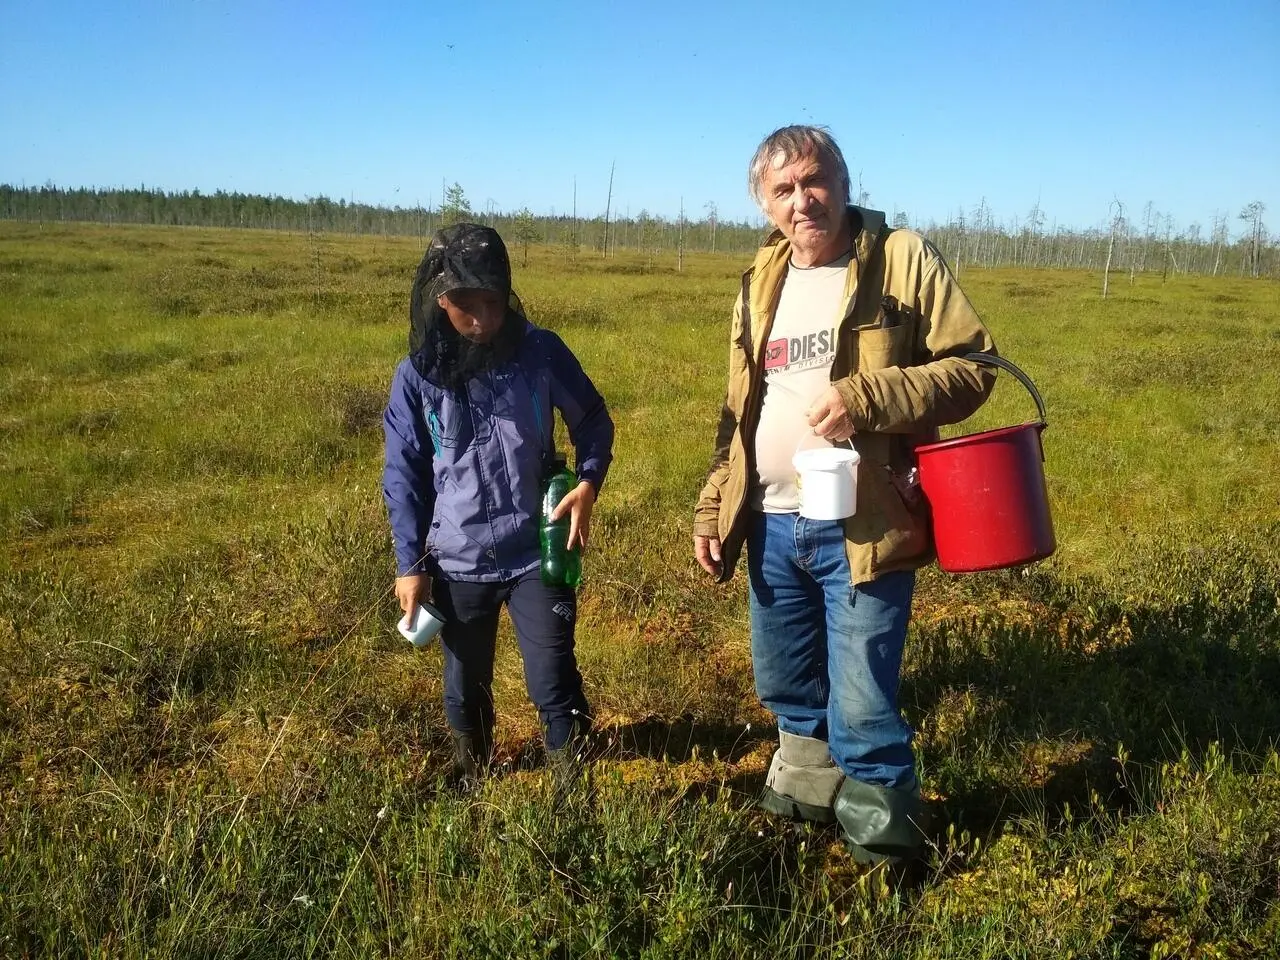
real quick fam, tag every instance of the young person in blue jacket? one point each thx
(469, 439)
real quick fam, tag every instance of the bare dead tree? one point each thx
(1150, 220)
(960, 229)
(1252, 215)
(1194, 247)
(1035, 221)
(604, 248)
(1168, 248)
(979, 225)
(1219, 240)
(680, 239)
(1117, 224)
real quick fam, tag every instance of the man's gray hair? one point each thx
(794, 142)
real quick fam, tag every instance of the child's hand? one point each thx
(578, 503)
(411, 590)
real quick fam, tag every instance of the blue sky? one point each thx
(936, 105)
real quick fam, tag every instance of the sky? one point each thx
(937, 106)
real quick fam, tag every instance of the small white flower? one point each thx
(382, 813)
(303, 899)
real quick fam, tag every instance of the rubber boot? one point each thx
(881, 824)
(472, 753)
(803, 780)
(568, 768)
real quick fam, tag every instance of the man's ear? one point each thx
(440, 300)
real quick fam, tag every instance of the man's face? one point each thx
(477, 315)
(806, 201)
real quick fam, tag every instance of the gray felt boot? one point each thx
(803, 780)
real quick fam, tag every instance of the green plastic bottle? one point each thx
(561, 567)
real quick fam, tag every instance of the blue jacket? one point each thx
(463, 473)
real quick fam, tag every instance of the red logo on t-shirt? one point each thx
(775, 354)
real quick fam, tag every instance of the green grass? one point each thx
(212, 742)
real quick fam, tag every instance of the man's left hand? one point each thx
(578, 503)
(829, 418)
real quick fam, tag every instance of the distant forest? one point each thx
(1131, 242)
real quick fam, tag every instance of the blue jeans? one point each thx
(827, 654)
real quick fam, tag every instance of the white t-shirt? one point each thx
(797, 369)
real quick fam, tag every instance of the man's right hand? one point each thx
(707, 552)
(411, 590)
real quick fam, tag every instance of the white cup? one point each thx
(426, 623)
(827, 478)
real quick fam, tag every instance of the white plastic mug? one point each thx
(828, 481)
(424, 625)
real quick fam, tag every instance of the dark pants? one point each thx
(543, 618)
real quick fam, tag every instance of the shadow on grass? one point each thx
(663, 740)
(1088, 693)
(682, 739)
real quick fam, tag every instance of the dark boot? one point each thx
(881, 824)
(568, 765)
(472, 753)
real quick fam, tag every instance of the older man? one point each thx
(853, 332)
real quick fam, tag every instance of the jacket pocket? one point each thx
(903, 533)
(882, 347)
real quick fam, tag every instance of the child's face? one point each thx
(475, 314)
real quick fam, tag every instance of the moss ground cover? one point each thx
(212, 742)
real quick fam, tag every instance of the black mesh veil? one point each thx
(461, 256)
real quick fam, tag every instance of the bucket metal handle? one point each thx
(988, 360)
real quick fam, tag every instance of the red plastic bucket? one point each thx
(987, 492)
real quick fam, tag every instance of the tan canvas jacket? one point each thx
(899, 370)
